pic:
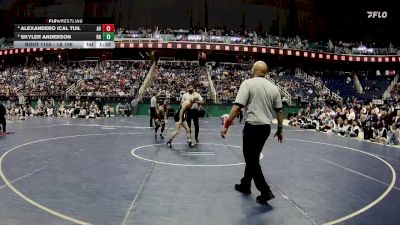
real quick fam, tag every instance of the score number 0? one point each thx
(108, 28)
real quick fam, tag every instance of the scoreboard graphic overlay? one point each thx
(89, 33)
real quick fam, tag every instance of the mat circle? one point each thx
(133, 152)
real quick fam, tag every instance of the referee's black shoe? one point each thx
(243, 190)
(264, 198)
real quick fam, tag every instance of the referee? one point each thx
(3, 113)
(153, 105)
(193, 113)
(260, 98)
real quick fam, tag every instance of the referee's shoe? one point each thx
(242, 189)
(264, 198)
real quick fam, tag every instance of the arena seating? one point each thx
(374, 87)
(254, 38)
(172, 79)
(91, 79)
(227, 79)
(115, 79)
(296, 86)
(338, 82)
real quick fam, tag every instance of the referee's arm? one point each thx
(279, 116)
(235, 111)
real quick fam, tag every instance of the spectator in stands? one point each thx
(127, 109)
(380, 134)
(394, 136)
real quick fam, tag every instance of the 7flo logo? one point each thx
(377, 14)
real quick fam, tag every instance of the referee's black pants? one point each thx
(3, 124)
(152, 115)
(193, 114)
(254, 137)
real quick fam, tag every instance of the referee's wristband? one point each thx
(280, 129)
(227, 123)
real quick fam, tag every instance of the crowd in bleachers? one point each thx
(339, 82)
(114, 79)
(35, 80)
(297, 86)
(374, 86)
(48, 107)
(88, 79)
(171, 81)
(119, 78)
(227, 79)
(373, 123)
(342, 83)
(300, 86)
(395, 93)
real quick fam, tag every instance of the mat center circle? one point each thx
(202, 155)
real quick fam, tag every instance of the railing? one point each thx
(177, 63)
(139, 40)
(322, 87)
(300, 74)
(127, 61)
(149, 78)
(386, 94)
(317, 83)
(18, 89)
(243, 65)
(80, 62)
(285, 92)
(270, 41)
(336, 97)
(310, 79)
(69, 90)
(212, 86)
(79, 83)
(31, 79)
(357, 84)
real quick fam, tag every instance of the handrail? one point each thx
(177, 62)
(126, 61)
(149, 77)
(357, 84)
(285, 92)
(212, 86)
(386, 94)
(322, 86)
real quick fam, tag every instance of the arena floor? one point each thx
(112, 171)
